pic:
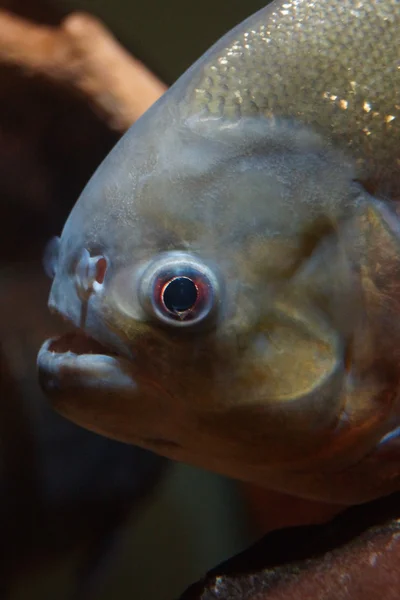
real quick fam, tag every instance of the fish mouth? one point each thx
(96, 389)
(76, 360)
(76, 342)
(73, 348)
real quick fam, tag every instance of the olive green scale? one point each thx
(332, 65)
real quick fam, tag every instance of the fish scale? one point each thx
(319, 63)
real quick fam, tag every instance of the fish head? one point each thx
(232, 282)
(176, 267)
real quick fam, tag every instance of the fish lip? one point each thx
(70, 352)
(56, 352)
(76, 342)
(61, 369)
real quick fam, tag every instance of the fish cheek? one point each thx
(109, 396)
(139, 414)
(284, 401)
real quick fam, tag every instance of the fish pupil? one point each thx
(180, 294)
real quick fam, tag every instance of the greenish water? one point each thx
(194, 521)
(168, 36)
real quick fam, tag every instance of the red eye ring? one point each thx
(178, 289)
(180, 295)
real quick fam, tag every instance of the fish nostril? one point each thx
(101, 268)
(50, 256)
(90, 270)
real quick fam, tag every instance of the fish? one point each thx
(232, 268)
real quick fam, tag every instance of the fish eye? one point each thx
(178, 289)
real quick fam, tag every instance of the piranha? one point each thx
(233, 266)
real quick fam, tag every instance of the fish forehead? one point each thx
(201, 188)
(333, 66)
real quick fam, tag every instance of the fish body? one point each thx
(234, 261)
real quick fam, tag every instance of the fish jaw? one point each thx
(102, 392)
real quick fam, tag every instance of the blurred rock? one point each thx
(354, 557)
